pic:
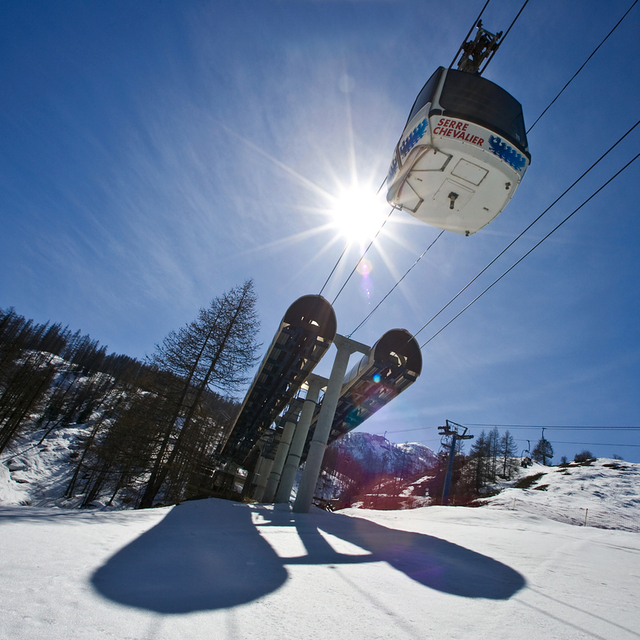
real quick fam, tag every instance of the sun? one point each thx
(358, 213)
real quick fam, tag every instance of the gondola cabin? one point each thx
(462, 154)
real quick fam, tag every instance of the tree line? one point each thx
(492, 457)
(148, 432)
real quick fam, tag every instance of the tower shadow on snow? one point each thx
(208, 555)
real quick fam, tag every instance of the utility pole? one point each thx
(451, 429)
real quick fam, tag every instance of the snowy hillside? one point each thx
(377, 452)
(603, 493)
(219, 570)
(37, 474)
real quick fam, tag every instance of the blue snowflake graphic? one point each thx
(412, 139)
(392, 169)
(506, 153)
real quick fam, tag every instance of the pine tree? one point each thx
(508, 451)
(215, 351)
(478, 458)
(543, 451)
(494, 453)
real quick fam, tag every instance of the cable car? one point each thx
(462, 154)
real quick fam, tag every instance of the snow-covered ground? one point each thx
(604, 493)
(214, 569)
(37, 474)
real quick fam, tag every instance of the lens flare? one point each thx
(358, 213)
(364, 268)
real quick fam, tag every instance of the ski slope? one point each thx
(222, 570)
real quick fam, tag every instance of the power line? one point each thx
(598, 444)
(335, 266)
(398, 283)
(604, 155)
(528, 252)
(555, 427)
(363, 255)
(583, 65)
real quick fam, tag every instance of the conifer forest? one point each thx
(149, 430)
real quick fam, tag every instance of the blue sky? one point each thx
(155, 154)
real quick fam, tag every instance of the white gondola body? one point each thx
(453, 174)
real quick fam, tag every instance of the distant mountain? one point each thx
(376, 454)
(368, 470)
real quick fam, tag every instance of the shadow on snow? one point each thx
(209, 555)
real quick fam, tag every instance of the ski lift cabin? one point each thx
(462, 154)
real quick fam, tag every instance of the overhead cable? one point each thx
(525, 230)
(486, 64)
(611, 148)
(335, 266)
(397, 283)
(598, 444)
(583, 65)
(554, 427)
(535, 246)
(543, 213)
(529, 427)
(468, 34)
(363, 255)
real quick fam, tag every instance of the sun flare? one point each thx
(358, 213)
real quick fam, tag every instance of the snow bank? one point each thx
(604, 493)
(219, 570)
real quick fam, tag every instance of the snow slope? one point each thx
(522, 565)
(605, 493)
(37, 474)
(221, 570)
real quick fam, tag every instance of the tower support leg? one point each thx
(299, 438)
(323, 427)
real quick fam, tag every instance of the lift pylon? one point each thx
(451, 429)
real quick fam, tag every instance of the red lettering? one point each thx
(459, 125)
